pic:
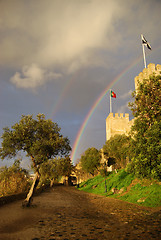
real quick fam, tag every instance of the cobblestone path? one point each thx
(66, 213)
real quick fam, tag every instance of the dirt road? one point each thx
(66, 213)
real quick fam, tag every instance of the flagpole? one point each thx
(143, 52)
(144, 56)
(110, 102)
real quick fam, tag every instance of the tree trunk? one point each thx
(51, 182)
(27, 201)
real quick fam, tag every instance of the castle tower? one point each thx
(117, 124)
(150, 70)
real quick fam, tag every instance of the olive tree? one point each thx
(39, 138)
(90, 160)
(116, 150)
(53, 169)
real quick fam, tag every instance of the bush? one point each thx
(13, 180)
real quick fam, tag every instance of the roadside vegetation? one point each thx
(41, 140)
(90, 160)
(125, 186)
(146, 130)
(14, 180)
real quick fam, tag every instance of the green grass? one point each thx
(89, 185)
(149, 195)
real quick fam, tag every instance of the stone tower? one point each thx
(150, 70)
(120, 124)
(117, 124)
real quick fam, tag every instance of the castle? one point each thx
(117, 124)
(150, 70)
(120, 123)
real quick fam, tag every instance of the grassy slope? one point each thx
(132, 189)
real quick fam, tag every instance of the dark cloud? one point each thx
(57, 57)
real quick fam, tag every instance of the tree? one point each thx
(146, 130)
(116, 150)
(53, 169)
(90, 160)
(40, 139)
(13, 179)
(65, 166)
(48, 172)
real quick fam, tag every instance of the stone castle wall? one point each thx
(150, 70)
(117, 124)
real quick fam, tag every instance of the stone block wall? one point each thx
(150, 70)
(120, 124)
(117, 123)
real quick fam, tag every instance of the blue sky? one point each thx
(57, 57)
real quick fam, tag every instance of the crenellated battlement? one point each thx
(119, 115)
(150, 70)
(117, 123)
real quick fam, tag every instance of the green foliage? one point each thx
(148, 194)
(147, 104)
(116, 150)
(88, 185)
(103, 171)
(13, 179)
(90, 160)
(52, 170)
(119, 180)
(146, 131)
(48, 172)
(40, 139)
(113, 180)
(65, 166)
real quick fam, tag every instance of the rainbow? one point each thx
(69, 83)
(96, 103)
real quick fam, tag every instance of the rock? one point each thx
(121, 190)
(115, 190)
(141, 200)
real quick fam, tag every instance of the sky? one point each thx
(61, 57)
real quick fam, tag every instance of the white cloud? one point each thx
(126, 95)
(32, 77)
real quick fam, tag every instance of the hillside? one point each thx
(125, 187)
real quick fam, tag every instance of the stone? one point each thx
(117, 124)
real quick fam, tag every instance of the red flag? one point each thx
(113, 94)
